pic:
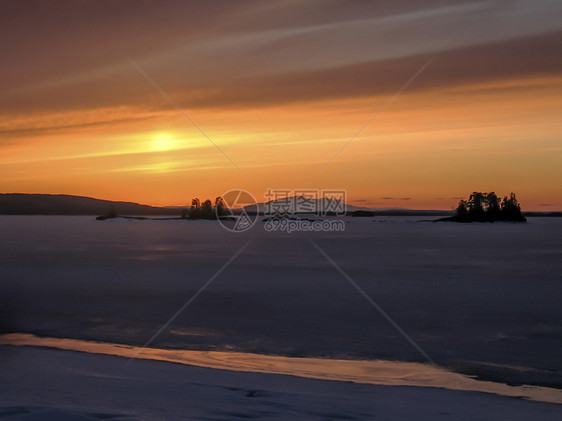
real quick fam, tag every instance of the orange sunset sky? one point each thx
(280, 87)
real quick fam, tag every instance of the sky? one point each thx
(157, 102)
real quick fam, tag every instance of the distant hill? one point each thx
(288, 202)
(62, 204)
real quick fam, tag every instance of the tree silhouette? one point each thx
(219, 206)
(476, 205)
(195, 211)
(510, 209)
(462, 209)
(207, 210)
(493, 210)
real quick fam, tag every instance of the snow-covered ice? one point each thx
(481, 299)
(45, 384)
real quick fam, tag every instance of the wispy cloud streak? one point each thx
(380, 110)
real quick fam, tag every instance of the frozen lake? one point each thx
(478, 298)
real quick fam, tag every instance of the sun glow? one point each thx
(163, 142)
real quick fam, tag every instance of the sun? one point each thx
(162, 142)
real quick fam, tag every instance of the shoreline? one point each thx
(375, 372)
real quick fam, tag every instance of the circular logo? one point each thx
(238, 210)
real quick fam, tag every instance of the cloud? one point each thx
(365, 202)
(396, 198)
(272, 55)
(28, 131)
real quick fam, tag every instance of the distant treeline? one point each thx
(60, 204)
(205, 210)
(487, 207)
